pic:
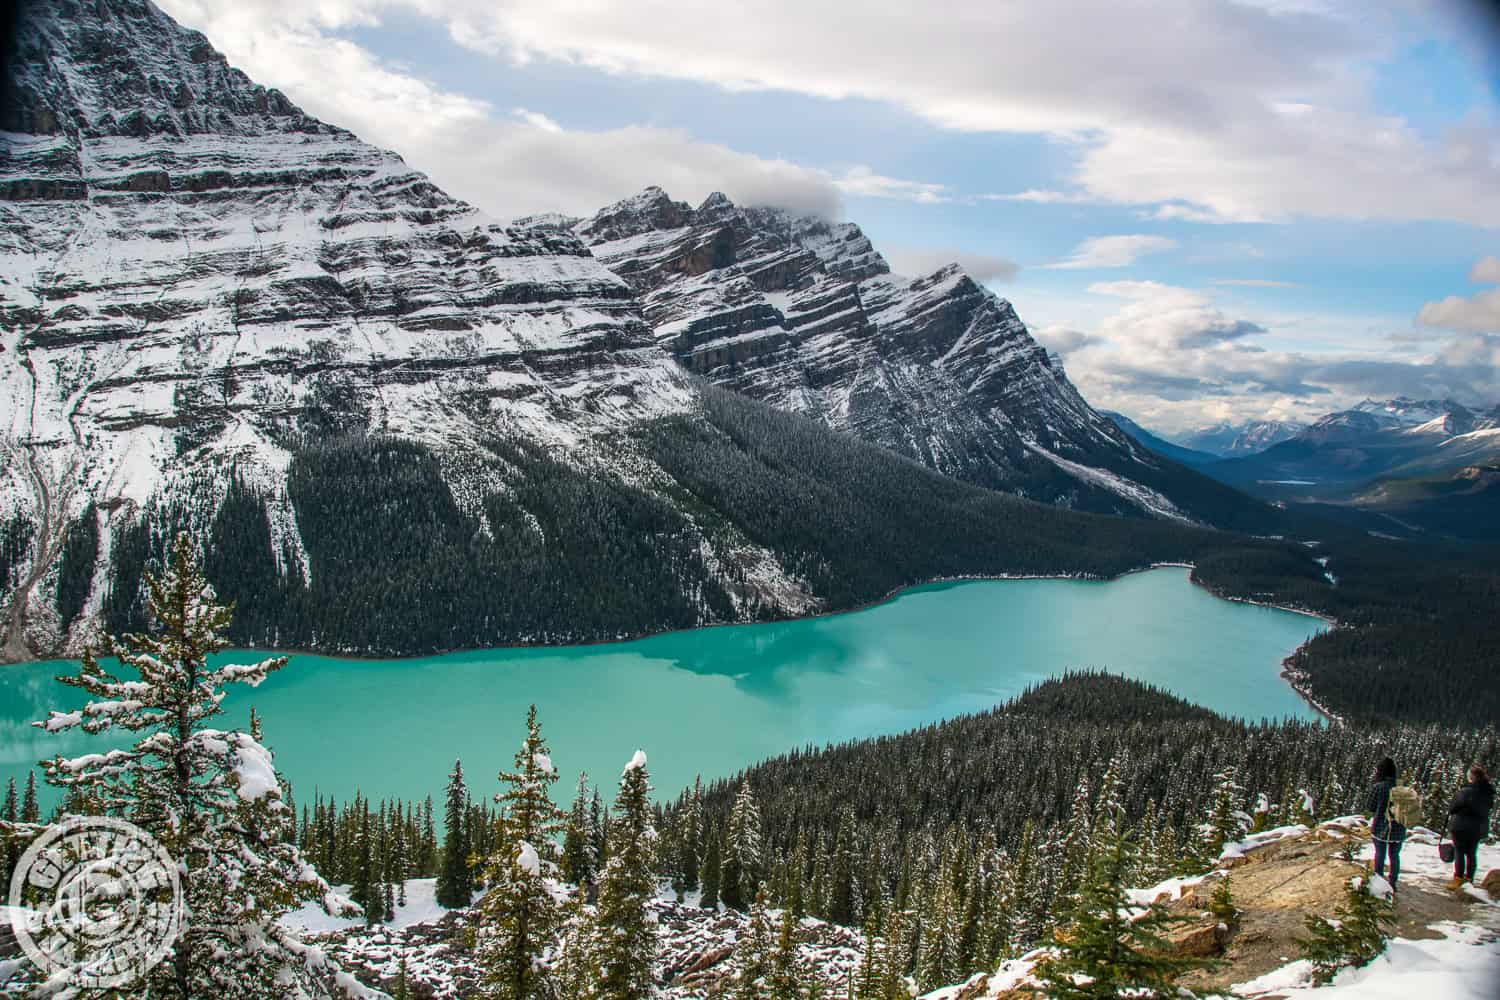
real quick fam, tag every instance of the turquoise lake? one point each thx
(712, 701)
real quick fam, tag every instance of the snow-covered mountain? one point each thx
(1339, 455)
(196, 276)
(401, 426)
(806, 315)
(1234, 440)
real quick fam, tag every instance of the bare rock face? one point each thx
(805, 314)
(1491, 883)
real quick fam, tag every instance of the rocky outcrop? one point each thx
(805, 314)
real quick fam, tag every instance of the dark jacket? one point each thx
(1382, 827)
(1469, 815)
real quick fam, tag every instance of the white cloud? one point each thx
(509, 164)
(1477, 314)
(1211, 110)
(864, 182)
(1486, 270)
(1176, 359)
(1113, 251)
(537, 120)
(916, 261)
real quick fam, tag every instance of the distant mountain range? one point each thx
(1419, 466)
(1229, 440)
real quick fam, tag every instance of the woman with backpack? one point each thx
(1386, 833)
(1468, 821)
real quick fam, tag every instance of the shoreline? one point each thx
(1291, 678)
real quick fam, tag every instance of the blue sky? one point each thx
(1285, 205)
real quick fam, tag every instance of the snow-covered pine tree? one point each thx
(574, 971)
(210, 797)
(869, 978)
(712, 871)
(690, 838)
(842, 872)
(787, 973)
(1226, 820)
(938, 957)
(518, 923)
(455, 880)
(10, 845)
(578, 862)
(31, 811)
(754, 950)
(526, 800)
(740, 870)
(518, 918)
(626, 933)
(1356, 935)
(1105, 953)
(1074, 849)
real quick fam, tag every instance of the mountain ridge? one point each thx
(805, 314)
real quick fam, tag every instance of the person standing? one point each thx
(1386, 833)
(1468, 819)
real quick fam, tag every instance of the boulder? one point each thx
(1491, 882)
(1200, 940)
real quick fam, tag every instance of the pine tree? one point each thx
(579, 865)
(1363, 922)
(526, 800)
(786, 972)
(626, 932)
(10, 846)
(869, 980)
(518, 924)
(712, 868)
(210, 797)
(455, 881)
(31, 811)
(518, 918)
(1221, 903)
(575, 972)
(1104, 954)
(753, 952)
(690, 838)
(740, 869)
(1225, 821)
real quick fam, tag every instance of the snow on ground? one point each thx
(421, 908)
(1464, 964)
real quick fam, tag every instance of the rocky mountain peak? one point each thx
(123, 68)
(804, 313)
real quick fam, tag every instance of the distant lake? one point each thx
(711, 701)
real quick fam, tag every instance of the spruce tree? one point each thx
(626, 931)
(518, 918)
(526, 800)
(211, 798)
(31, 811)
(740, 869)
(1105, 954)
(455, 881)
(10, 841)
(712, 869)
(786, 972)
(1356, 935)
(518, 924)
(1225, 821)
(574, 970)
(754, 951)
(579, 866)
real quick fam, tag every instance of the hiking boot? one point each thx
(1455, 882)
